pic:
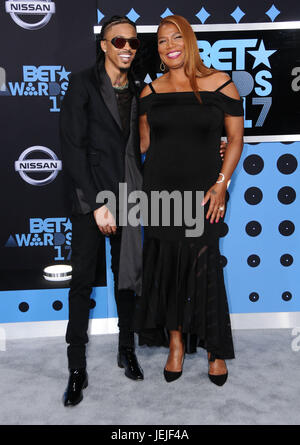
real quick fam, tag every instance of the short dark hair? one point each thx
(115, 20)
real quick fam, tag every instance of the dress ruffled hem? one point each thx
(183, 288)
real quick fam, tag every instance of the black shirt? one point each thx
(124, 98)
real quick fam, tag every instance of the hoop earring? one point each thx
(162, 66)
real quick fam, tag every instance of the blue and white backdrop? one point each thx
(42, 43)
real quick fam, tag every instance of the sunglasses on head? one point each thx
(120, 42)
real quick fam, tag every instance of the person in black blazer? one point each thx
(100, 150)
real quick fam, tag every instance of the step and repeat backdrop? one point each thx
(43, 42)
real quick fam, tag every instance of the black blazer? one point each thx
(92, 142)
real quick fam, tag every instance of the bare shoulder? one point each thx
(146, 91)
(220, 79)
(217, 79)
(161, 83)
(158, 84)
(160, 80)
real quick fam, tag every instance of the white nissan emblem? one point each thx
(25, 165)
(18, 9)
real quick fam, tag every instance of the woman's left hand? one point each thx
(216, 195)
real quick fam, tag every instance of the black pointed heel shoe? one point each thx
(220, 379)
(171, 376)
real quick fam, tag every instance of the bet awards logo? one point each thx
(232, 55)
(18, 10)
(51, 81)
(45, 233)
(29, 168)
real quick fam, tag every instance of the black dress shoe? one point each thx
(128, 360)
(220, 379)
(78, 380)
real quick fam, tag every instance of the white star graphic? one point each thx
(262, 55)
(63, 74)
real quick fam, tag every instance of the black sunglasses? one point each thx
(120, 42)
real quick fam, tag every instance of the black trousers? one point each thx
(86, 241)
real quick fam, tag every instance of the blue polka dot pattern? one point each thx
(261, 246)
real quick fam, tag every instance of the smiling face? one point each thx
(122, 58)
(171, 46)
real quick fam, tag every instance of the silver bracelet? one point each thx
(222, 180)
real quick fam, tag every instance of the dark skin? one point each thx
(172, 53)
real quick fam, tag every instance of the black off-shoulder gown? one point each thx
(183, 284)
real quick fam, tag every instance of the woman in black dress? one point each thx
(182, 115)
